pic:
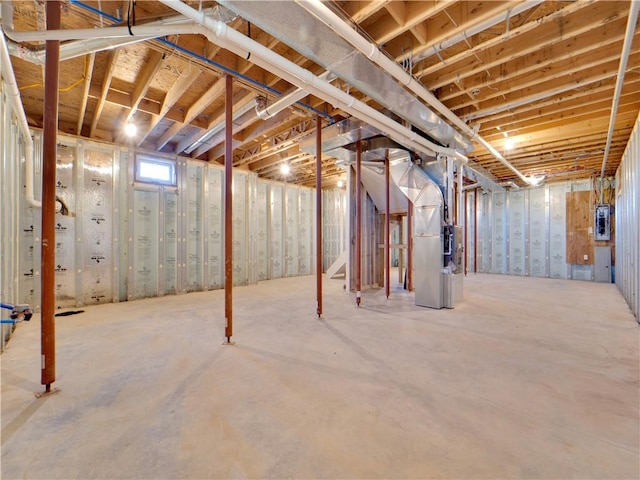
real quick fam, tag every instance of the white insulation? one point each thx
(627, 217)
(119, 239)
(522, 232)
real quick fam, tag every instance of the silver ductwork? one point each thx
(315, 40)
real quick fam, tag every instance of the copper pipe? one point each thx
(228, 209)
(319, 246)
(358, 221)
(387, 227)
(49, 161)
(409, 245)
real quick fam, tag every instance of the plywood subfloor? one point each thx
(528, 378)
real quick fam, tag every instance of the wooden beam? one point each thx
(88, 75)
(179, 87)
(106, 82)
(416, 13)
(360, 11)
(143, 82)
(212, 93)
(543, 37)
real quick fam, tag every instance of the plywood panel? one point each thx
(579, 237)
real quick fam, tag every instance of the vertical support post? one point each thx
(475, 233)
(387, 227)
(228, 209)
(409, 245)
(319, 245)
(466, 233)
(400, 249)
(460, 209)
(450, 212)
(50, 140)
(358, 221)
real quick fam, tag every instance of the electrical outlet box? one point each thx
(602, 223)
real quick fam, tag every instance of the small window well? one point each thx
(155, 170)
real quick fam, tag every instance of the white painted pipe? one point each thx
(624, 58)
(475, 29)
(228, 38)
(73, 49)
(13, 94)
(288, 100)
(372, 51)
(267, 111)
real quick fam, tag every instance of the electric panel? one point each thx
(602, 222)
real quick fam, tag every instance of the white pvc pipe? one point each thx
(73, 49)
(287, 100)
(374, 54)
(218, 33)
(13, 93)
(475, 29)
(283, 102)
(624, 58)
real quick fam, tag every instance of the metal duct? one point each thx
(317, 42)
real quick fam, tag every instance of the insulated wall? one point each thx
(334, 209)
(627, 217)
(11, 252)
(286, 230)
(121, 238)
(522, 232)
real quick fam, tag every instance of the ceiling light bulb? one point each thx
(284, 169)
(340, 184)
(130, 129)
(509, 143)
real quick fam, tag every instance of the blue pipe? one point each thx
(7, 322)
(7, 306)
(207, 60)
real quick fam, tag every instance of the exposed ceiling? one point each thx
(541, 74)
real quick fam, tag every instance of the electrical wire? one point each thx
(62, 89)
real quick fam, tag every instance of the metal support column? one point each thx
(400, 249)
(50, 140)
(387, 227)
(319, 245)
(466, 233)
(475, 232)
(409, 245)
(358, 221)
(228, 209)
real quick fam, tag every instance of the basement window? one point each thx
(155, 170)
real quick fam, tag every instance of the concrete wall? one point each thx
(627, 217)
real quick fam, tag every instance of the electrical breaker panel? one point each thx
(602, 223)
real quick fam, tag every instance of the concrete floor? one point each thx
(528, 378)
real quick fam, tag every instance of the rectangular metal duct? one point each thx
(313, 39)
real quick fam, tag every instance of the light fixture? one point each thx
(130, 129)
(535, 180)
(509, 143)
(340, 184)
(285, 169)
